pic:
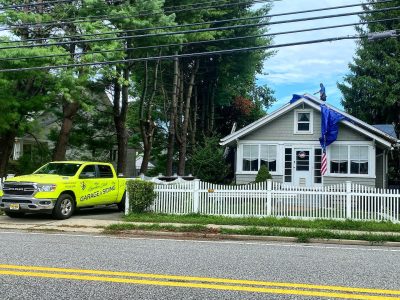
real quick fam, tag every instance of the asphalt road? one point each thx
(27, 261)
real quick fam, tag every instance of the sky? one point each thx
(300, 69)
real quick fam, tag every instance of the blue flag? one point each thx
(329, 126)
(295, 98)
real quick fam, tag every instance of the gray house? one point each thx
(287, 142)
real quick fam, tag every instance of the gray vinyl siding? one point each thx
(282, 129)
(331, 180)
(379, 171)
(246, 178)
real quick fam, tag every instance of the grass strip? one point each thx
(302, 236)
(369, 226)
(115, 228)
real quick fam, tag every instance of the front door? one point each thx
(302, 166)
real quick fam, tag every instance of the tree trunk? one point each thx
(194, 120)
(69, 112)
(6, 147)
(120, 107)
(183, 144)
(172, 119)
(148, 126)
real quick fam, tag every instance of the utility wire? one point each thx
(201, 42)
(197, 30)
(188, 55)
(153, 28)
(108, 17)
(10, 27)
(48, 3)
(34, 4)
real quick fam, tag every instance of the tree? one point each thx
(263, 174)
(371, 90)
(208, 162)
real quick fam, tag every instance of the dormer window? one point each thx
(303, 121)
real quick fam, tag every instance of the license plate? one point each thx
(14, 206)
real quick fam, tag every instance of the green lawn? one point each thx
(266, 222)
(302, 236)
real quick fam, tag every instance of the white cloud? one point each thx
(313, 63)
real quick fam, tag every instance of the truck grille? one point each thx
(18, 189)
(16, 201)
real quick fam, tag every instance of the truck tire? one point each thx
(64, 208)
(121, 204)
(13, 214)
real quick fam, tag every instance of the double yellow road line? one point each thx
(199, 282)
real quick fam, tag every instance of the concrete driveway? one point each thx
(90, 217)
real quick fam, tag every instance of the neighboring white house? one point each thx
(287, 142)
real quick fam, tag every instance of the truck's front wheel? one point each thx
(64, 207)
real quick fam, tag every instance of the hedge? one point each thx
(141, 195)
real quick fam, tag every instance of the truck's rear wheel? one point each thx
(64, 208)
(121, 205)
(13, 214)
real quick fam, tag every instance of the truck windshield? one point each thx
(63, 169)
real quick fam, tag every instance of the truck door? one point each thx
(108, 184)
(90, 190)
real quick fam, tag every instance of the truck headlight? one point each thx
(46, 187)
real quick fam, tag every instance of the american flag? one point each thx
(324, 163)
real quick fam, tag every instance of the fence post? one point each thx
(126, 199)
(269, 197)
(348, 199)
(196, 196)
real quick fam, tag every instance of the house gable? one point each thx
(355, 125)
(283, 129)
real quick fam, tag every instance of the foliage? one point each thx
(208, 162)
(371, 89)
(141, 195)
(225, 89)
(263, 174)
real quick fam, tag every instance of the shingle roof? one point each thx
(387, 128)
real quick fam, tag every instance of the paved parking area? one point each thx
(101, 216)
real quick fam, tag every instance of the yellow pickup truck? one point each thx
(61, 187)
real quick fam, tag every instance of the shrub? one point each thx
(141, 195)
(208, 161)
(263, 174)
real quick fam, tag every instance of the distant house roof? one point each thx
(387, 128)
(375, 133)
(139, 161)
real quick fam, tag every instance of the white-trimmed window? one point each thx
(339, 159)
(268, 157)
(303, 122)
(358, 160)
(255, 156)
(349, 159)
(250, 157)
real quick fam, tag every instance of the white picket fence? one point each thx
(342, 201)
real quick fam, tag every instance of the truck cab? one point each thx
(61, 187)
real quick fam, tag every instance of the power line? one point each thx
(198, 30)
(34, 4)
(159, 27)
(191, 55)
(89, 18)
(10, 27)
(202, 42)
(194, 24)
